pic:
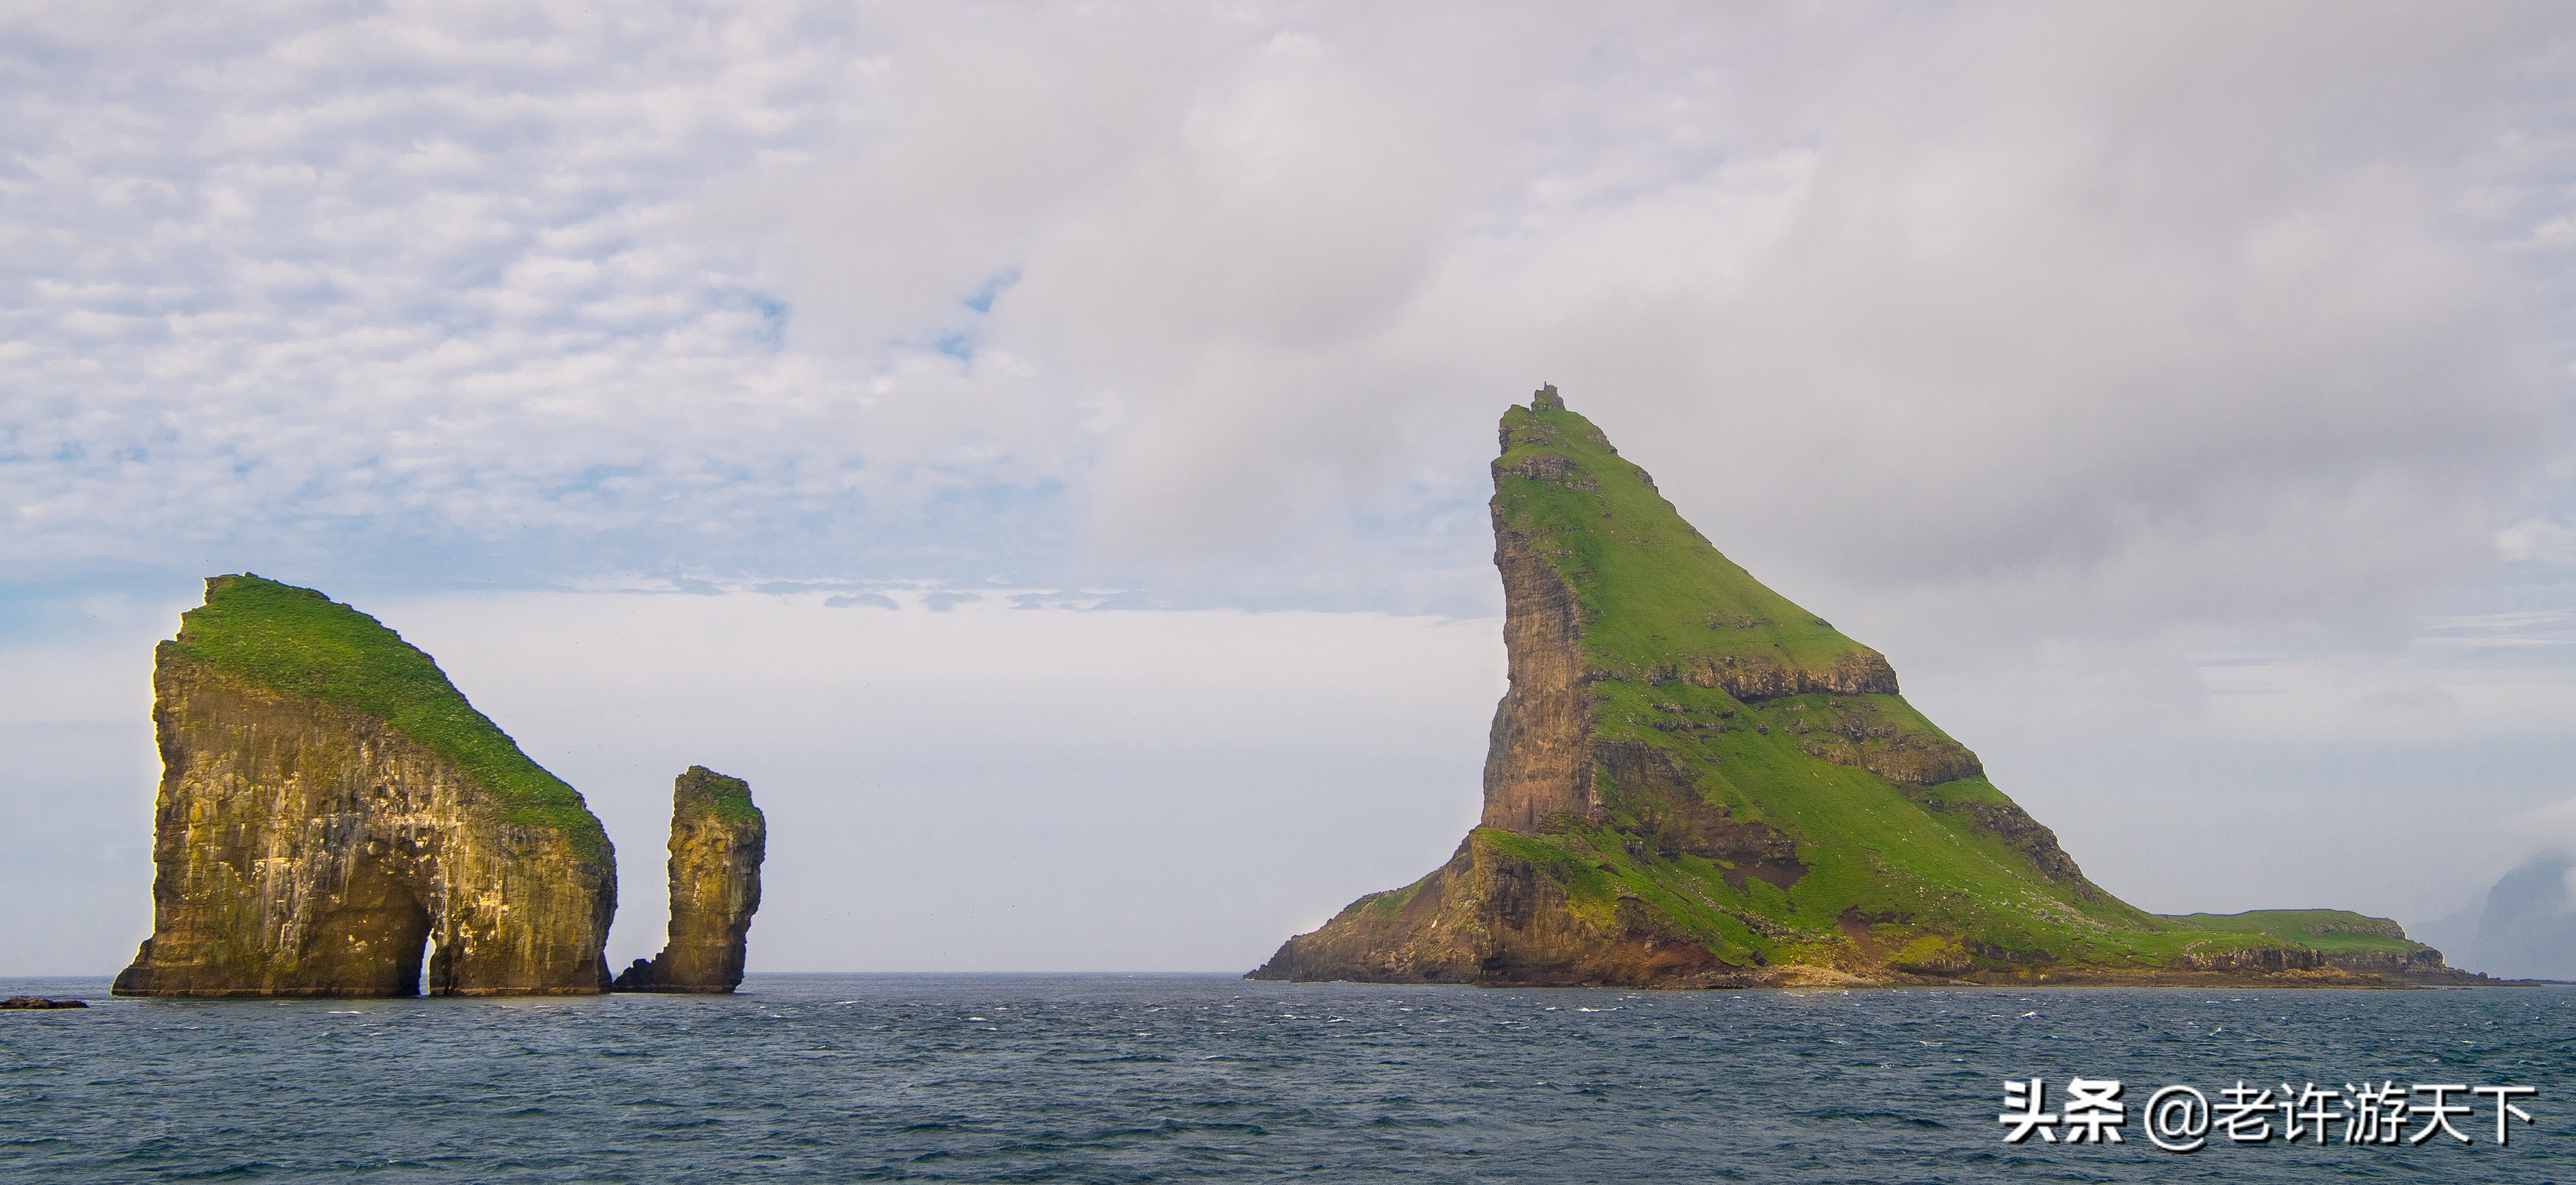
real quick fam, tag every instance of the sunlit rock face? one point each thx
(718, 839)
(332, 812)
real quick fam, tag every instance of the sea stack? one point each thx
(330, 805)
(1693, 782)
(718, 839)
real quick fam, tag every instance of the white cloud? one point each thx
(421, 271)
(2169, 321)
(2198, 308)
(2538, 539)
(2548, 827)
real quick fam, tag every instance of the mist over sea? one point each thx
(1162, 1078)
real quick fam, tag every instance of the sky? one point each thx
(1043, 447)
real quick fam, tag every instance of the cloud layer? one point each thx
(2187, 312)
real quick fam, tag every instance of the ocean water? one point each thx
(1179, 1078)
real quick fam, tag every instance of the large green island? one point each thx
(1693, 782)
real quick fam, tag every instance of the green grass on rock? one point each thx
(1913, 867)
(295, 641)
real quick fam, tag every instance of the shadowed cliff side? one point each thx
(1694, 782)
(718, 839)
(330, 805)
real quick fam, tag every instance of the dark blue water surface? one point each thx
(1161, 1078)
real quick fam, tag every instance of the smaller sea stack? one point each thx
(717, 840)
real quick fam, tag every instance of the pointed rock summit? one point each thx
(718, 839)
(1693, 782)
(331, 806)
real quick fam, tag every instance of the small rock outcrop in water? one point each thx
(1694, 782)
(717, 841)
(330, 806)
(39, 1002)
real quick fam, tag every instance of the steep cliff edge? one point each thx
(1693, 781)
(330, 805)
(718, 839)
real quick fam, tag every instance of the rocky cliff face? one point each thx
(330, 807)
(1693, 781)
(1494, 916)
(1534, 763)
(718, 839)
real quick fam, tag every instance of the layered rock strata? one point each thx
(718, 839)
(331, 808)
(1692, 781)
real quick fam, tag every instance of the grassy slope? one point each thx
(295, 641)
(2334, 931)
(1654, 592)
(1650, 584)
(726, 798)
